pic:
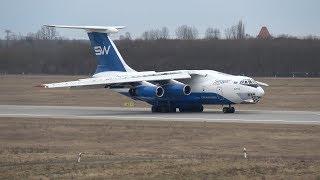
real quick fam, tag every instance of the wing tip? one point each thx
(41, 86)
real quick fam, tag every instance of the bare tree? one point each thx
(47, 33)
(216, 33)
(164, 33)
(236, 31)
(212, 33)
(151, 35)
(229, 33)
(126, 36)
(155, 34)
(145, 35)
(209, 33)
(186, 32)
(240, 30)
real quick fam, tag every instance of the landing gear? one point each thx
(163, 109)
(154, 109)
(172, 109)
(191, 109)
(228, 109)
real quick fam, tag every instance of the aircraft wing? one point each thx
(94, 81)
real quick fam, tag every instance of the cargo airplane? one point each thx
(186, 90)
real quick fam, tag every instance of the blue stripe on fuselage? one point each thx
(193, 98)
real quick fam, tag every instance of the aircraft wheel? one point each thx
(192, 109)
(228, 110)
(232, 110)
(225, 109)
(173, 109)
(154, 109)
(164, 109)
(200, 109)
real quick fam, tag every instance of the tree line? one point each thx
(186, 32)
(45, 52)
(280, 57)
(183, 32)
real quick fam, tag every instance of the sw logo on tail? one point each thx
(101, 50)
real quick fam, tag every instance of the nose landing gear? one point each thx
(228, 109)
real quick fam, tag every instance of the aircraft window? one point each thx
(218, 82)
(248, 82)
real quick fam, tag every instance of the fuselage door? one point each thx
(219, 93)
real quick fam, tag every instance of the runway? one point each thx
(119, 113)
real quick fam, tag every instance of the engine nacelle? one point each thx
(146, 91)
(175, 88)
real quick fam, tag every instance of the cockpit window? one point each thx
(248, 82)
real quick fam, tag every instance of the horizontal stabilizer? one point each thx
(101, 29)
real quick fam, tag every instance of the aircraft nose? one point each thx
(260, 92)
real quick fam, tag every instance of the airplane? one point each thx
(185, 90)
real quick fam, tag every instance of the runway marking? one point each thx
(118, 113)
(147, 109)
(161, 118)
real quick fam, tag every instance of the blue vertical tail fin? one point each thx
(107, 54)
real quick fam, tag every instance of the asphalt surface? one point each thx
(119, 113)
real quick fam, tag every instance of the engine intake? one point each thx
(146, 91)
(176, 88)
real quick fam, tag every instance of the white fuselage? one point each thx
(211, 87)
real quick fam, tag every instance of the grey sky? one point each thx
(295, 17)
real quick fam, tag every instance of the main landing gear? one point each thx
(192, 109)
(163, 109)
(169, 109)
(228, 109)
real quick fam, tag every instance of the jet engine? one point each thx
(146, 91)
(175, 88)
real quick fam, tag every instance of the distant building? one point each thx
(264, 33)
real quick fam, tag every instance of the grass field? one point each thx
(48, 148)
(283, 93)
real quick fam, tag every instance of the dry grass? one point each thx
(283, 93)
(48, 148)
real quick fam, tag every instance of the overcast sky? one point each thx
(294, 17)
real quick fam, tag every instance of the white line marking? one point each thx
(160, 118)
(143, 109)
